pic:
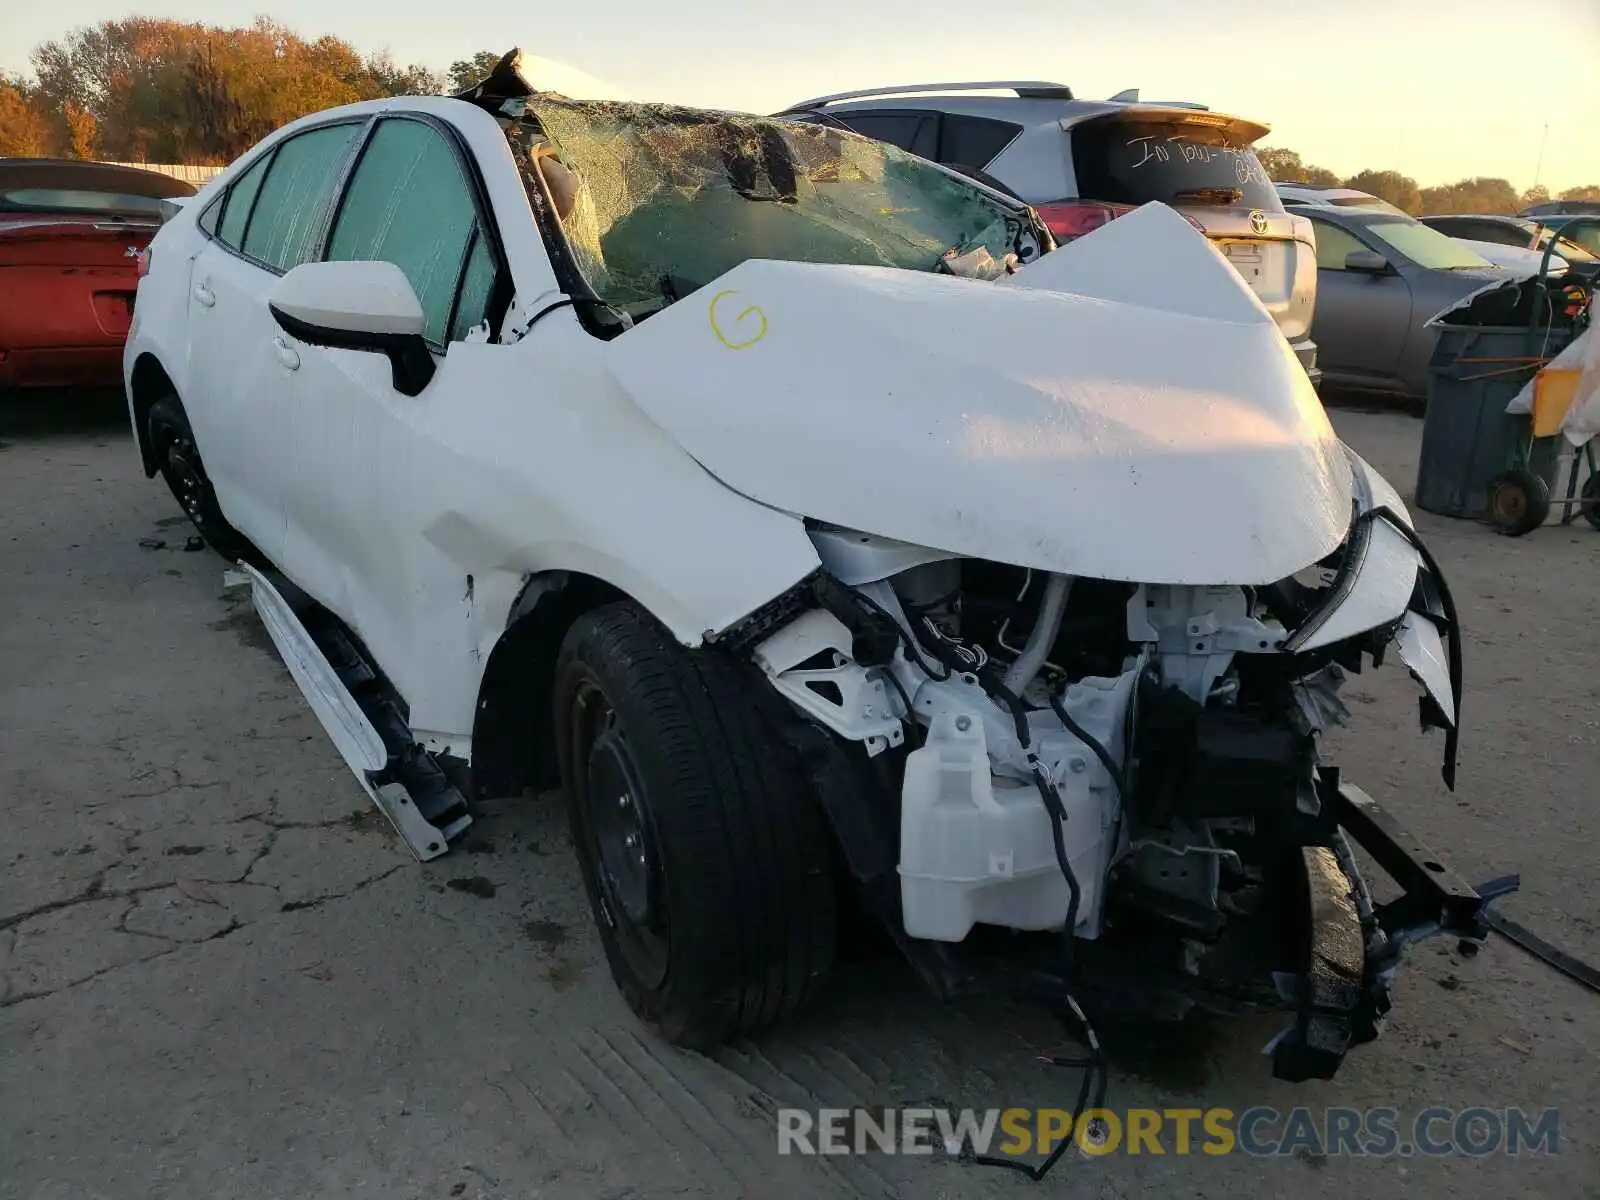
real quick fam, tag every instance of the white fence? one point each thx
(189, 174)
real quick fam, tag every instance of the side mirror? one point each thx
(367, 306)
(1366, 262)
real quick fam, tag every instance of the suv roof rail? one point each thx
(1026, 89)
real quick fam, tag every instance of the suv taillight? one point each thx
(1068, 219)
(142, 262)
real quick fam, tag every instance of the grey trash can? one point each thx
(1467, 436)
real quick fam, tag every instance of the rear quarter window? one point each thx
(238, 202)
(1136, 162)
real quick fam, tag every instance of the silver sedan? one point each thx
(1380, 277)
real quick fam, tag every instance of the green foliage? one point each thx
(465, 72)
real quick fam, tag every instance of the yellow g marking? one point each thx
(716, 327)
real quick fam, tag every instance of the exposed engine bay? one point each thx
(1135, 765)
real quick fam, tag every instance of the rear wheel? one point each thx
(704, 855)
(1519, 502)
(178, 459)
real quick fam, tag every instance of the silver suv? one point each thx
(1082, 163)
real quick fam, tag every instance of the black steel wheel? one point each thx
(1519, 502)
(1589, 500)
(179, 461)
(704, 855)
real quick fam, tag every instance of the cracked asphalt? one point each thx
(220, 974)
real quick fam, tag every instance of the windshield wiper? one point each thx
(1211, 195)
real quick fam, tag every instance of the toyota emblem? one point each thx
(1258, 222)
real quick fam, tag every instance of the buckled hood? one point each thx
(1124, 408)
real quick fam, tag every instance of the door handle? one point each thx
(204, 295)
(287, 354)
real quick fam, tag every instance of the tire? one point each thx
(718, 916)
(1519, 502)
(178, 459)
(1589, 500)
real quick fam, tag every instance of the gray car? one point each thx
(1380, 277)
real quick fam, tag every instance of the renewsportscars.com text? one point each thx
(1260, 1131)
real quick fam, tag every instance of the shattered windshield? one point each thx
(656, 201)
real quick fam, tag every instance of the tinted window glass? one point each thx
(974, 141)
(1427, 247)
(1487, 231)
(1334, 245)
(1135, 162)
(294, 198)
(898, 129)
(477, 287)
(77, 200)
(236, 207)
(211, 214)
(408, 204)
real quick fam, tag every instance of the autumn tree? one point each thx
(1279, 164)
(1588, 191)
(1285, 166)
(1399, 190)
(148, 89)
(1479, 195)
(25, 130)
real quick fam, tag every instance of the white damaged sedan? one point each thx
(831, 541)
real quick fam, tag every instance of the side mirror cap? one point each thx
(1366, 262)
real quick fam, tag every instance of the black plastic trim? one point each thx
(408, 353)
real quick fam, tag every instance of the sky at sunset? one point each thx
(1438, 90)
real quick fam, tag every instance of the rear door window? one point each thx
(409, 204)
(1174, 162)
(293, 202)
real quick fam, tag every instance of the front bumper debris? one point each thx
(1352, 948)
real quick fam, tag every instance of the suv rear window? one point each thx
(1175, 162)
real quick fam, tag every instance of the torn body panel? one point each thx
(454, 517)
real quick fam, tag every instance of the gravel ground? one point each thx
(220, 975)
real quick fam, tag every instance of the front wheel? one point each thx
(703, 853)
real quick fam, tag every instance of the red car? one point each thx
(71, 239)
